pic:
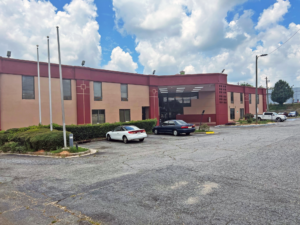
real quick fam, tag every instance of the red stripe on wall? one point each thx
(83, 102)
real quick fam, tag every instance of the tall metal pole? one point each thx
(61, 91)
(256, 91)
(267, 94)
(39, 84)
(49, 74)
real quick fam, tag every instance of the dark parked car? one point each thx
(283, 113)
(174, 127)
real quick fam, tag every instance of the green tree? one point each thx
(246, 84)
(281, 92)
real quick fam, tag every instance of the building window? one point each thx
(242, 114)
(231, 97)
(28, 87)
(232, 114)
(124, 115)
(250, 99)
(98, 116)
(67, 89)
(257, 98)
(242, 98)
(124, 92)
(97, 91)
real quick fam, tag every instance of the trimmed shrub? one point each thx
(3, 138)
(88, 131)
(9, 147)
(204, 127)
(249, 120)
(36, 139)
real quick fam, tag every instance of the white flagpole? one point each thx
(49, 74)
(39, 84)
(61, 91)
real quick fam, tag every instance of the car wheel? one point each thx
(155, 131)
(278, 119)
(141, 139)
(108, 137)
(125, 140)
(175, 132)
(188, 133)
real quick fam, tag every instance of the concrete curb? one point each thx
(52, 155)
(245, 126)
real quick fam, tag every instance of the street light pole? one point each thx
(256, 87)
(49, 75)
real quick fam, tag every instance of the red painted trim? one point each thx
(154, 103)
(196, 118)
(83, 102)
(23, 67)
(242, 89)
(221, 104)
(246, 103)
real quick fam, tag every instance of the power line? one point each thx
(284, 42)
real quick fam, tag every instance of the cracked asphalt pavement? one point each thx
(237, 176)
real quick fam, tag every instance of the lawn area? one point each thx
(71, 150)
(245, 122)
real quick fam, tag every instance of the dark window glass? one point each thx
(231, 97)
(242, 114)
(124, 92)
(97, 91)
(232, 114)
(171, 123)
(166, 123)
(28, 87)
(118, 129)
(180, 122)
(250, 99)
(124, 115)
(98, 116)
(67, 89)
(242, 98)
(131, 128)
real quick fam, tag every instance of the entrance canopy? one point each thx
(186, 88)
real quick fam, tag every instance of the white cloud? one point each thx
(273, 14)
(195, 36)
(25, 24)
(121, 61)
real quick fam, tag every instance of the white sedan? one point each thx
(126, 133)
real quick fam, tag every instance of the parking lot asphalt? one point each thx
(237, 176)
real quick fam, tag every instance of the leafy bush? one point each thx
(249, 120)
(88, 131)
(9, 147)
(204, 127)
(248, 115)
(42, 138)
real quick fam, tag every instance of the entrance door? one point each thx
(145, 113)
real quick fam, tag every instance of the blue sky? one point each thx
(163, 35)
(111, 37)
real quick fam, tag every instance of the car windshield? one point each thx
(180, 122)
(131, 128)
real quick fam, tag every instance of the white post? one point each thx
(49, 74)
(61, 90)
(39, 84)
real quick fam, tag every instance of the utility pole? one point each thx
(256, 96)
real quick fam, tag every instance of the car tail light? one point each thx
(184, 127)
(193, 126)
(137, 131)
